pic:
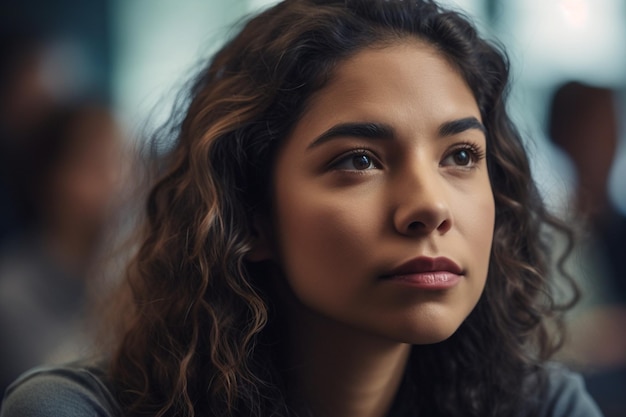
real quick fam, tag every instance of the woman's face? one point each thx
(383, 209)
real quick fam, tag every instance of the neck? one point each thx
(337, 371)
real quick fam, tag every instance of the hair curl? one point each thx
(198, 340)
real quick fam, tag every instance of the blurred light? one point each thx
(573, 39)
(158, 45)
(576, 12)
(617, 182)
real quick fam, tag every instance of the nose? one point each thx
(422, 206)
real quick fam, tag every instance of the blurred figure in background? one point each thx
(27, 96)
(63, 178)
(583, 124)
(39, 72)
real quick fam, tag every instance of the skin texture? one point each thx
(342, 221)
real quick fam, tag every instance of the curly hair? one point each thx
(200, 338)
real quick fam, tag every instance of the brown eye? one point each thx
(462, 157)
(359, 160)
(362, 162)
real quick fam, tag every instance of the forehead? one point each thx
(408, 84)
(397, 62)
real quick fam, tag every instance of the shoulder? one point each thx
(62, 391)
(565, 395)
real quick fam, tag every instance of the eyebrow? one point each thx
(371, 130)
(361, 130)
(455, 127)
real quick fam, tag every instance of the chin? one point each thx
(429, 339)
(433, 332)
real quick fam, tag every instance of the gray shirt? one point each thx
(79, 391)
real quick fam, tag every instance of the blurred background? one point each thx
(82, 81)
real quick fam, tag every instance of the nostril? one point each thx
(444, 226)
(414, 226)
(422, 227)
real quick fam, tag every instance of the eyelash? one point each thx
(475, 151)
(334, 164)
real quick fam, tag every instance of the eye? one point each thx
(462, 157)
(357, 160)
(465, 155)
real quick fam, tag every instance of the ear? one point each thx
(262, 248)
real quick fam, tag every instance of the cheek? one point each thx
(320, 239)
(475, 215)
(312, 229)
(480, 224)
(480, 221)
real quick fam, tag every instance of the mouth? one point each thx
(427, 273)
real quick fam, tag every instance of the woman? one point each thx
(347, 227)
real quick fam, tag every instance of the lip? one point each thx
(427, 273)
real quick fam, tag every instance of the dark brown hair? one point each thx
(199, 337)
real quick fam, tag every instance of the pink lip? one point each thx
(427, 273)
